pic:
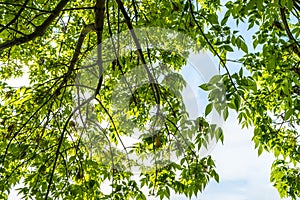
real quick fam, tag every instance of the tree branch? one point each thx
(295, 46)
(60, 144)
(16, 17)
(99, 23)
(116, 55)
(39, 31)
(214, 51)
(139, 51)
(15, 30)
(84, 32)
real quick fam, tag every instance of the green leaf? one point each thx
(260, 150)
(217, 178)
(204, 87)
(215, 79)
(241, 44)
(290, 4)
(228, 48)
(241, 72)
(225, 114)
(237, 102)
(285, 89)
(213, 18)
(244, 47)
(225, 19)
(288, 114)
(208, 109)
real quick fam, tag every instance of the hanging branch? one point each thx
(139, 51)
(57, 153)
(215, 52)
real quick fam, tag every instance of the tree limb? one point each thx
(295, 46)
(39, 31)
(84, 32)
(16, 16)
(139, 50)
(15, 30)
(99, 23)
(116, 55)
(60, 144)
(214, 51)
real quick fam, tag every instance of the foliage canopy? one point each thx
(77, 56)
